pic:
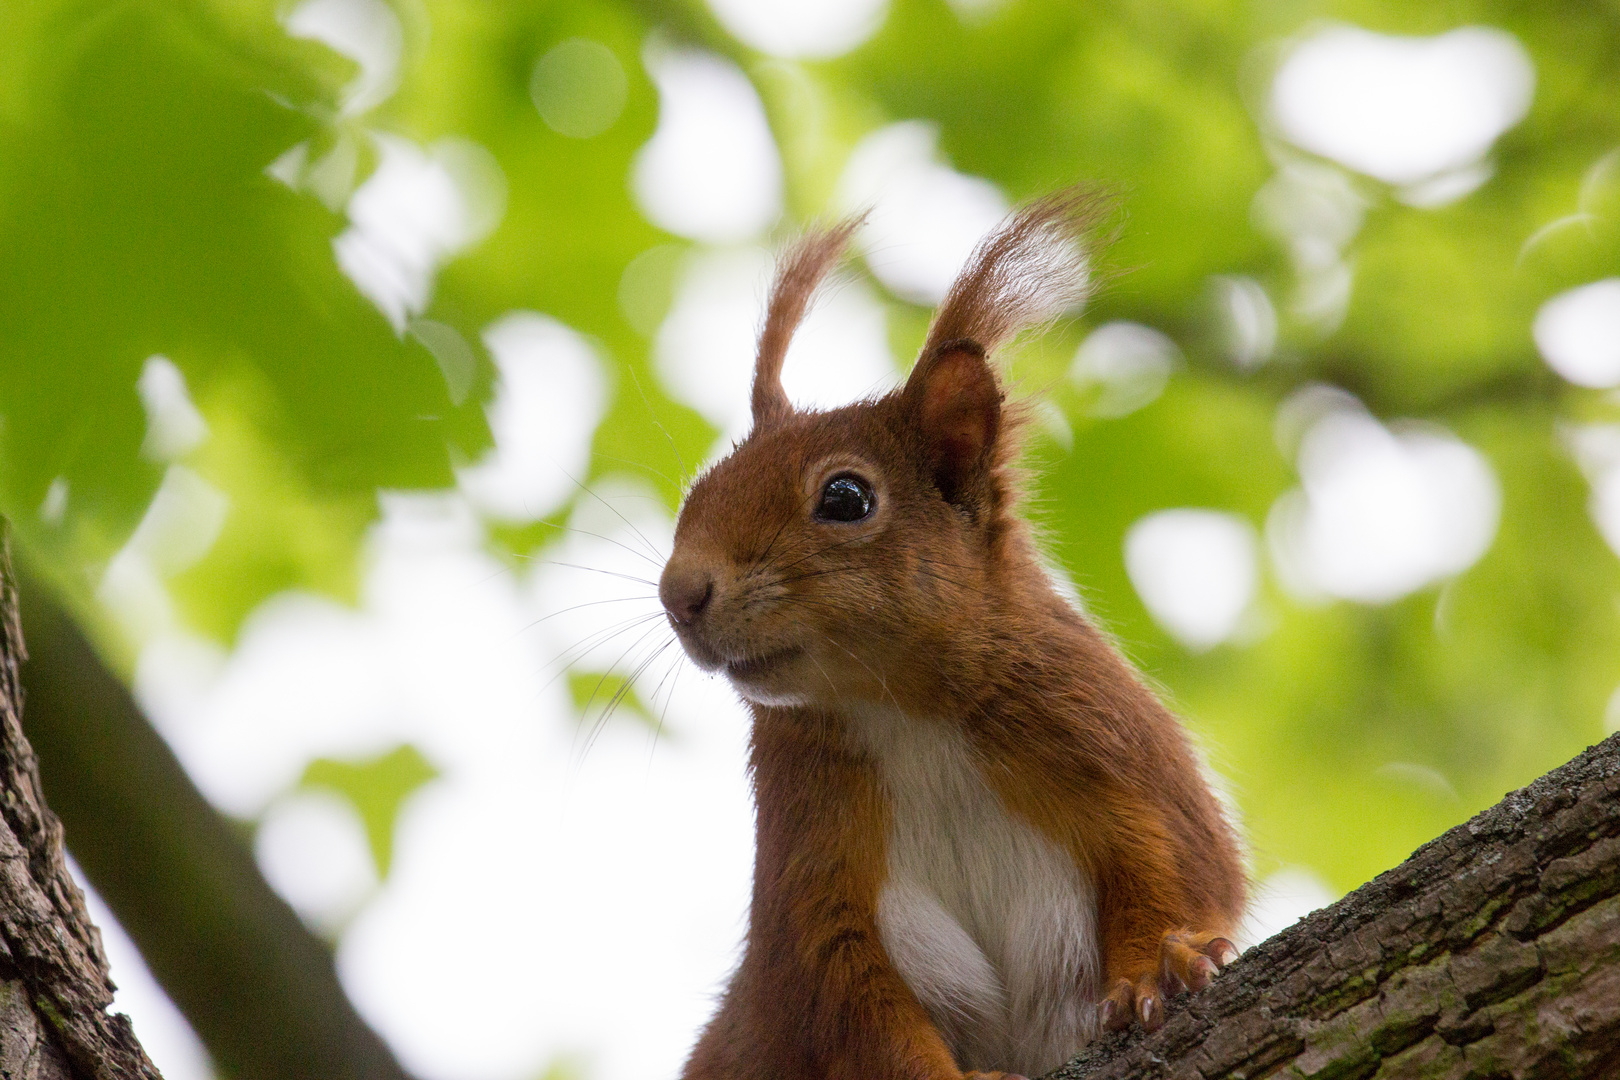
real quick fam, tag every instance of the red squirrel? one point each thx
(980, 838)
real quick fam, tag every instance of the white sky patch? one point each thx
(1315, 208)
(1128, 363)
(418, 209)
(704, 350)
(792, 28)
(1597, 450)
(711, 170)
(290, 166)
(1245, 318)
(1300, 411)
(1196, 572)
(330, 178)
(841, 353)
(164, 1033)
(1381, 512)
(1578, 333)
(1407, 110)
(136, 597)
(555, 851)
(367, 32)
(598, 585)
(182, 522)
(1280, 901)
(549, 398)
(631, 859)
(925, 216)
(242, 725)
(179, 527)
(1316, 211)
(312, 848)
(53, 508)
(368, 678)
(174, 427)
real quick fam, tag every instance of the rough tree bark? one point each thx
(54, 988)
(1493, 952)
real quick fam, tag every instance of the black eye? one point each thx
(845, 498)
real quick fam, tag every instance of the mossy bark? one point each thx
(1493, 952)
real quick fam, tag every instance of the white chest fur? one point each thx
(990, 923)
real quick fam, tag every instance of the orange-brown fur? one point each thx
(937, 606)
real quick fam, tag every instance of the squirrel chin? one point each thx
(780, 699)
(769, 679)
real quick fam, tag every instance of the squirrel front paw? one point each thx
(977, 1075)
(1187, 959)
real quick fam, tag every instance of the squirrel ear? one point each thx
(798, 274)
(954, 400)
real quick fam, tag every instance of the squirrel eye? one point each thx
(845, 498)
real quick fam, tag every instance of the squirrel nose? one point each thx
(685, 593)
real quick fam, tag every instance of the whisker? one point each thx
(777, 535)
(822, 551)
(828, 678)
(643, 466)
(582, 649)
(623, 692)
(675, 669)
(652, 698)
(847, 568)
(611, 669)
(599, 570)
(576, 607)
(659, 425)
(499, 572)
(608, 539)
(884, 683)
(657, 556)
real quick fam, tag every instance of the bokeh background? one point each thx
(354, 355)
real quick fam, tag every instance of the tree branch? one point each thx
(258, 987)
(54, 989)
(1493, 952)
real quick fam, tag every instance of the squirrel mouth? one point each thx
(755, 667)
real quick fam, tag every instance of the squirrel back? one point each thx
(980, 836)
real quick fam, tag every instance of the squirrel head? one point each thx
(835, 556)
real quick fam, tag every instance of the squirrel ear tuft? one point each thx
(799, 272)
(1033, 268)
(953, 398)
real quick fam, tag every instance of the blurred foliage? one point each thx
(600, 696)
(377, 787)
(137, 218)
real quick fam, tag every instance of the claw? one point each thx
(1192, 959)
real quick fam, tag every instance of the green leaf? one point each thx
(377, 787)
